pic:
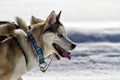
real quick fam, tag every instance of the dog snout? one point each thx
(73, 46)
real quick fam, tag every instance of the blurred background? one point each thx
(94, 25)
(73, 10)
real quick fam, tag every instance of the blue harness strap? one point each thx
(37, 48)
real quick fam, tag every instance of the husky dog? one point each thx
(7, 27)
(17, 54)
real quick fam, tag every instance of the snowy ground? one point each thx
(91, 60)
(97, 56)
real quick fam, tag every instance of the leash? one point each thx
(42, 64)
(37, 48)
(44, 69)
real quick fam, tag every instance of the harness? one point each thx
(42, 64)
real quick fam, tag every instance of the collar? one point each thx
(36, 47)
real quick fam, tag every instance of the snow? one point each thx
(77, 75)
(91, 60)
(93, 24)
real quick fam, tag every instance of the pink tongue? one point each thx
(66, 54)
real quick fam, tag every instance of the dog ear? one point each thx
(22, 24)
(51, 19)
(58, 16)
(35, 20)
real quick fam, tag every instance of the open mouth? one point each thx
(62, 52)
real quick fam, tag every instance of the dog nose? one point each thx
(73, 46)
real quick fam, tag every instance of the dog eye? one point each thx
(60, 35)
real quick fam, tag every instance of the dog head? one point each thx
(55, 39)
(50, 35)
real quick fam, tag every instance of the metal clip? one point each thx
(43, 66)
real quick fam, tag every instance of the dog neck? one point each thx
(37, 31)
